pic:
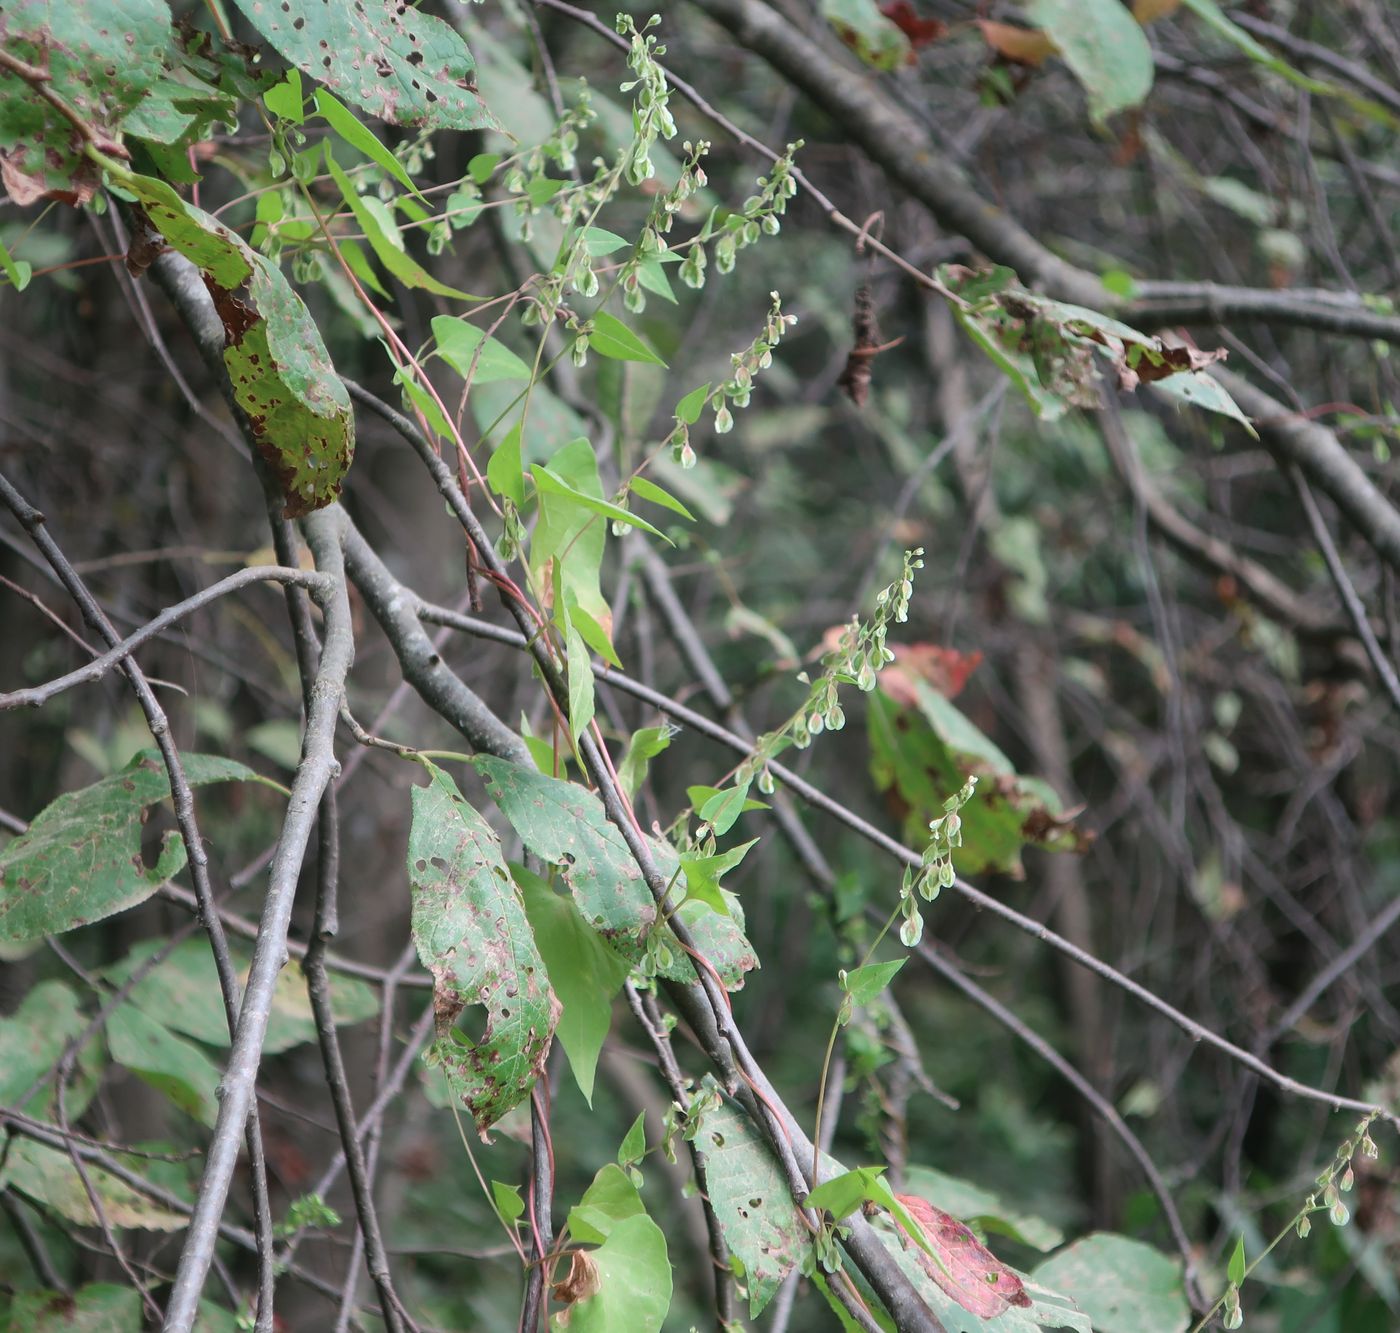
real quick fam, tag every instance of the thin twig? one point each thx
(182, 797)
(1346, 590)
(332, 1060)
(648, 1017)
(35, 695)
(816, 797)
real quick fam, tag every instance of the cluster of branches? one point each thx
(904, 146)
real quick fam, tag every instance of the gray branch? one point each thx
(35, 695)
(317, 768)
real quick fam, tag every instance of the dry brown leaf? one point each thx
(1021, 46)
(581, 1283)
(1149, 11)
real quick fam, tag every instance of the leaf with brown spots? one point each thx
(1057, 353)
(80, 860)
(101, 57)
(281, 373)
(969, 1272)
(470, 928)
(567, 826)
(387, 57)
(749, 1196)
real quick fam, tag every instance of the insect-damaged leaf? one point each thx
(472, 934)
(80, 859)
(281, 373)
(387, 57)
(750, 1198)
(1055, 352)
(566, 825)
(101, 58)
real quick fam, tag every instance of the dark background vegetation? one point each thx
(1234, 764)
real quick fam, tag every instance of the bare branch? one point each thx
(35, 695)
(316, 769)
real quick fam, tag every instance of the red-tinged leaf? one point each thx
(1021, 46)
(971, 1274)
(946, 669)
(919, 31)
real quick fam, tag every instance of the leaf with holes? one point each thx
(565, 824)
(281, 373)
(746, 1188)
(472, 934)
(80, 860)
(1056, 353)
(387, 57)
(101, 58)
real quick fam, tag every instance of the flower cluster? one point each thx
(758, 216)
(935, 871)
(653, 118)
(737, 389)
(857, 658)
